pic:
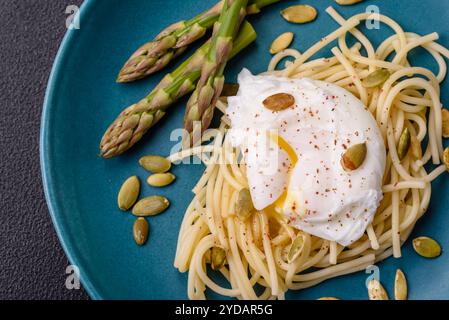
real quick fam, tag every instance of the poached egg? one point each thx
(293, 156)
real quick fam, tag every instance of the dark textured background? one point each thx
(32, 262)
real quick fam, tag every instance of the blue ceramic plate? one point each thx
(81, 188)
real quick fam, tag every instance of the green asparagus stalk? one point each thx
(201, 105)
(137, 119)
(171, 42)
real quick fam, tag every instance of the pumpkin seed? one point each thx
(273, 227)
(403, 144)
(218, 257)
(151, 206)
(347, 2)
(128, 194)
(446, 158)
(282, 42)
(328, 298)
(140, 231)
(230, 90)
(426, 247)
(376, 291)
(244, 205)
(415, 147)
(445, 117)
(155, 164)
(299, 14)
(278, 102)
(354, 157)
(160, 179)
(376, 78)
(295, 248)
(400, 286)
(208, 256)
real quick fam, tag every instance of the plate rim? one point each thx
(44, 155)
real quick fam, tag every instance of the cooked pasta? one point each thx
(257, 249)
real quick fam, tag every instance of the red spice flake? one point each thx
(344, 146)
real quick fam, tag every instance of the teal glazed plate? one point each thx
(81, 188)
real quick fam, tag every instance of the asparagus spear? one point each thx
(137, 119)
(171, 42)
(201, 105)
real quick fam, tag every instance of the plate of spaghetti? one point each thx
(316, 171)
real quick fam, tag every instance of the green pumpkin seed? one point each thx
(295, 248)
(376, 291)
(347, 2)
(446, 158)
(354, 157)
(128, 194)
(208, 256)
(376, 78)
(218, 258)
(400, 286)
(426, 247)
(404, 144)
(140, 231)
(155, 164)
(299, 14)
(282, 42)
(445, 117)
(161, 179)
(415, 147)
(151, 206)
(244, 205)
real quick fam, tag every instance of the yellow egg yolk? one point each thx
(284, 145)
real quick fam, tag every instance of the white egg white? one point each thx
(321, 198)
